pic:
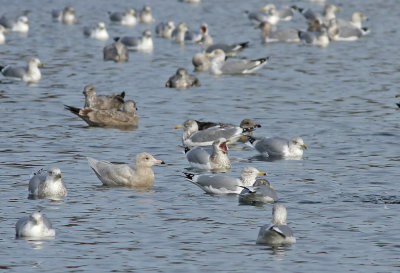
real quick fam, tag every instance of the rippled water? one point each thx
(342, 199)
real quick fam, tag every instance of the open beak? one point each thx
(178, 127)
(223, 146)
(262, 173)
(304, 146)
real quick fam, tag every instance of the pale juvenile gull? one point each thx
(102, 102)
(127, 118)
(47, 184)
(145, 15)
(99, 32)
(260, 192)
(200, 62)
(182, 79)
(328, 14)
(219, 65)
(230, 50)
(164, 30)
(116, 52)
(65, 16)
(141, 176)
(193, 137)
(127, 18)
(279, 147)
(2, 37)
(29, 73)
(268, 35)
(223, 184)
(34, 226)
(320, 39)
(21, 25)
(245, 124)
(215, 160)
(356, 20)
(278, 232)
(144, 43)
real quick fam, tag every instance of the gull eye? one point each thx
(147, 158)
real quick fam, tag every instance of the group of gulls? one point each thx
(205, 143)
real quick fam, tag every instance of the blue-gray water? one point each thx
(342, 199)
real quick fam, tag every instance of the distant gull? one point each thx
(278, 232)
(128, 18)
(200, 62)
(268, 35)
(127, 118)
(260, 192)
(102, 102)
(356, 20)
(66, 16)
(2, 37)
(223, 184)
(245, 124)
(328, 14)
(116, 52)
(193, 137)
(219, 65)
(34, 226)
(47, 184)
(229, 50)
(279, 147)
(29, 73)
(179, 33)
(99, 32)
(320, 39)
(21, 25)
(141, 176)
(144, 43)
(216, 159)
(145, 15)
(182, 79)
(164, 30)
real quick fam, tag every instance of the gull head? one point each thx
(279, 215)
(146, 160)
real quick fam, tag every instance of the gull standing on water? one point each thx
(127, 118)
(34, 226)
(216, 159)
(144, 43)
(126, 19)
(47, 184)
(116, 52)
(145, 15)
(2, 37)
(141, 175)
(279, 147)
(219, 65)
(29, 73)
(260, 192)
(21, 25)
(182, 79)
(99, 32)
(66, 16)
(223, 184)
(278, 232)
(193, 137)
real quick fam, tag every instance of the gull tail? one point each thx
(72, 109)
(189, 176)
(251, 139)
